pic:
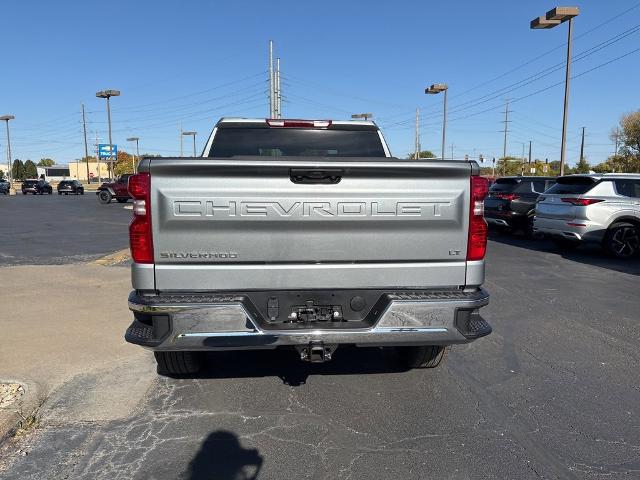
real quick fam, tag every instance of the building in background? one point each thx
(54, 174)
(78, 171)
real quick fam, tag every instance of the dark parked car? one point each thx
(118, 190)
(4, 187)
(70, 186)
(39, 187)
(512, 201)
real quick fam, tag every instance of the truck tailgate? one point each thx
(228, 224)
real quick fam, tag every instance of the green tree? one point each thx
(1, 175)
(123, 164)
(508, 166)
(30, 170)
(627, 159)
(422, 154)
(604, 167)
(17, 170)
(46, 162)
(582, 166)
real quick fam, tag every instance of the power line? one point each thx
(537, 92)
(538, 57)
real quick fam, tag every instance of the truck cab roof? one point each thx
(295, 123)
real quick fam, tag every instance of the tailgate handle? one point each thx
(298, 175)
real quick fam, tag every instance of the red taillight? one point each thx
(507, 196)
(477, 245)
(140, 236)
(582, 202)
(278, 123)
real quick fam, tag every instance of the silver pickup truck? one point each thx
(308, 235)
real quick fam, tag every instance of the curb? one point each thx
(114, 258)
(21, 413)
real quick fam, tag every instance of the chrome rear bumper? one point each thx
(203, 322)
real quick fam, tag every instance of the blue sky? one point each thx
(195, 61)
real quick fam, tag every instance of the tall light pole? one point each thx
(194, 140)
(108, 94)
(553, 18)
(137, 155)
(432, 90)
(6, 118)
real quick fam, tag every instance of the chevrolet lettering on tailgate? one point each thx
(222, 208)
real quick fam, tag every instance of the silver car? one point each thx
(602, 208)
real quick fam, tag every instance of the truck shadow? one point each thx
(587, 254)
(221, 456)
(286, 364)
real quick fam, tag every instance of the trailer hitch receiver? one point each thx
(316, 352)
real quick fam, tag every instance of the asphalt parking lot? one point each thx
(554, 392)
(53, 229)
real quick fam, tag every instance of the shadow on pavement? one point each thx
(588, 254)
(221, 457)
(286, 364)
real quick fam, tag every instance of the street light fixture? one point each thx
(433, 90)
(108, 94)
(137, 155)
(194, 140)
(555, 17)
(6, 118)
(363, 116)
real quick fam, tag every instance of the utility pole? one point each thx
(98, 159)
(86, 149)
(506, 129)
(12, 180)
(582, 147)
(278, 97)
(529, 152)
(523, 160)
(180, 127)
(272, 102)
(417, 154)
(452, 151)
(615, 141)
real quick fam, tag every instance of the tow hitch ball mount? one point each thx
(316, 352)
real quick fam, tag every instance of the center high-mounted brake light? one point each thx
(582, 202)
(277, 123)
(477, 244)
(140, 236)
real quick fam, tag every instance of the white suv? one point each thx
(603, 209)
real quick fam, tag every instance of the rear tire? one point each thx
(104, 197)
(426, 356)
(622, 240)
(179, 363)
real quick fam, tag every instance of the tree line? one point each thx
(22, 170)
